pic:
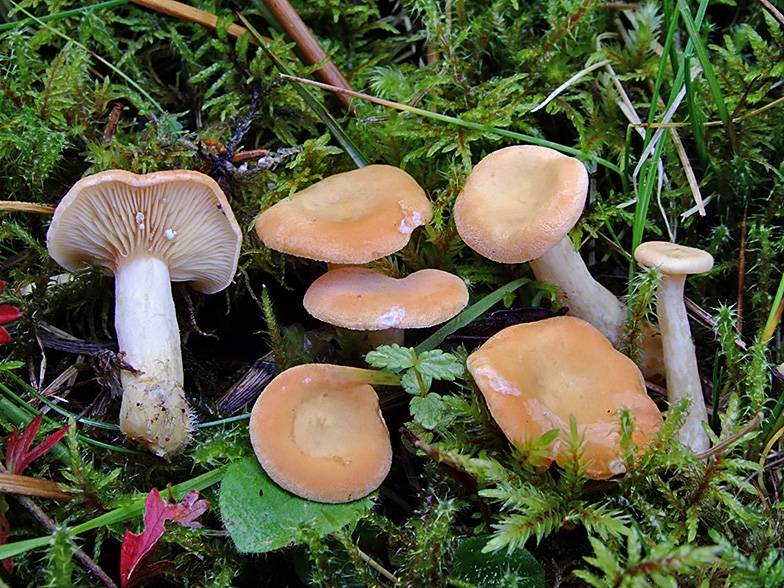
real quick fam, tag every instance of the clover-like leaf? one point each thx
(392, 357)
(428, 410)
(439, 365)
(415, 383)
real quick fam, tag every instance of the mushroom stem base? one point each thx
(154, 412)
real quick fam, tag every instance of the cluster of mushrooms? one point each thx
(315, 423)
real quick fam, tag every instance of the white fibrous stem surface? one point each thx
(154, 412)
(390, 336)
(586, 298)
(680, 361)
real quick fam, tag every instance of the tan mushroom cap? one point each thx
(318, 432)
(352, 217)
(181, 217)
(533, 375)
(671, 258)
(364, 299)
(519, 201)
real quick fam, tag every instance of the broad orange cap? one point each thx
(519, 201)
(318, 432)
(534, 375)
(364, 299)
(352, 217)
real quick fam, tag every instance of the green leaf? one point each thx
(415, 384)
(391, 357)
(428, 410)
(439, 365)
(260, 516)
(7, 366)
(496, 569)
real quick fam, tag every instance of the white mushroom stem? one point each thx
(680, 360)
(154, 412)
(586, 298)
(391, 336)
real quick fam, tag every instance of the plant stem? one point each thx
(36, 511)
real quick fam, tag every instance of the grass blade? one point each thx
(117, 515)
(64, 14)
(340, 136)
(460, 123)
(469, 315)
(707, 67)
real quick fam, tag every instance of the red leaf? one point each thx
(4, 336)
(5, 528)
(18, 453)
(138, 550)
(189, 509)
(9, 313)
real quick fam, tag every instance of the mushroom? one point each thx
(350, 218)
(364, 299)
(518, 204)
(533, 376)
(675, 262)
(149, 230)
(318, 432)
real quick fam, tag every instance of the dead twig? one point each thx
(29, 486)
(191, 14)
(26, 207)
(309, 46)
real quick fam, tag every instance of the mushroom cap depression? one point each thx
(178, 216)
(674, 259)
(533, 375)
(364, 299)
(351, 218)
(519, 201)
(318, 432)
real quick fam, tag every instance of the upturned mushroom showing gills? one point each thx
(533, 376)
(518, 205)
(364, 299)
(675, 262)
(318, 432)
(149, 230)
(350, 218)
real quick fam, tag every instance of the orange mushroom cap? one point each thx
(364, 299)
(519, 201)
(318, 432)
(352, 217)
(534, 375)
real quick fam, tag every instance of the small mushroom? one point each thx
(533, 376)
(149, 230)
(365, 299)
(675, 262)
(518, 205)
(318, 432)
(350, 218)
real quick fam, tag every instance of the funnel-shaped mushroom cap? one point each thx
(519, 201)
(367, 300)
(533, 375)
(671, 258)
(353, 217)
(318, 432)
(180, 217)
